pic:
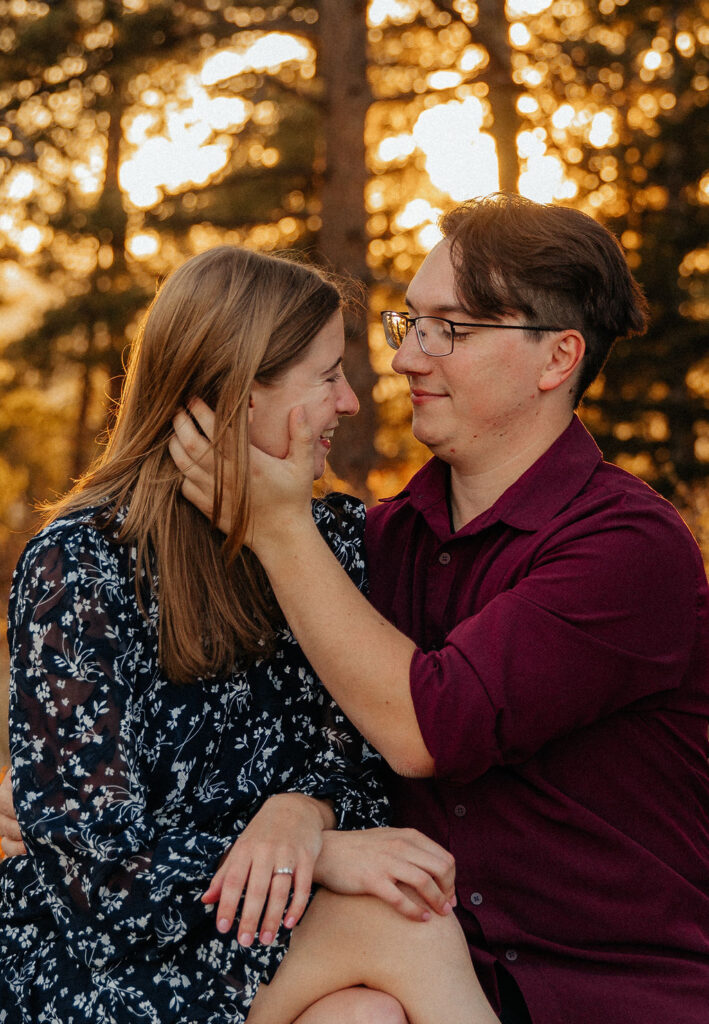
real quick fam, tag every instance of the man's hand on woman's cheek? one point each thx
(280, 488)
(193, 454)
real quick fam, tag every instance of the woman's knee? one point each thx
(355, 1006)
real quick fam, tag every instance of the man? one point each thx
(534, 667)
(538, 647)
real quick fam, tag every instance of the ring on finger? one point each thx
(284, 871)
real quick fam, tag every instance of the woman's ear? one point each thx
(565, 357)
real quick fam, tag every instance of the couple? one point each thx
(533, 667)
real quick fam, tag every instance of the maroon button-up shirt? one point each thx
(561, 683)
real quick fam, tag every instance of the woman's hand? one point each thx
(10, 834)
(399, 865)
(286, 833)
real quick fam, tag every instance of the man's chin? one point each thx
(425, 435)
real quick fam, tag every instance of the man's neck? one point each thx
(473, 490)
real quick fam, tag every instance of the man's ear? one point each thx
(565, 357)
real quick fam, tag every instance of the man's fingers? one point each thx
(403, 900)
(197, 497)
(420, 882)
(301, 436)
(201, 412)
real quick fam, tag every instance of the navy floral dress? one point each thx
(129, 788)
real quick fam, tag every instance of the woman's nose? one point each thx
(347, 402)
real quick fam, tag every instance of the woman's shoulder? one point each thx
(340, 519)
(75, 530)
(78, 541)
(339, 514)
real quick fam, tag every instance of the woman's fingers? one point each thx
(277, 899)
(230, 886)
(302, 885)
(261, 880)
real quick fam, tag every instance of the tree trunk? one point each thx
(342, 239)
(491, 31)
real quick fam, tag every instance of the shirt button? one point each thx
(476, 899)
(444, 558)
(511, 955)
(460, 810)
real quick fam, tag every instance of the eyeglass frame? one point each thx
(413, 320)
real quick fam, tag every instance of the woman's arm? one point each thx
(10, 836)
(115, 878)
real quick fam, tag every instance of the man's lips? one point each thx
(419, 396)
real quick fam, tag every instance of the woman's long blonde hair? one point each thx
(226, 318)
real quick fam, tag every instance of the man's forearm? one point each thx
(361, 658)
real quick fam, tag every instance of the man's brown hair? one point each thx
(549, 264)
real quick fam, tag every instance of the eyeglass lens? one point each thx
(434, 335)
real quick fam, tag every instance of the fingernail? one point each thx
(223, 924)
(447, 908)
(454, 901)
(425, 916)
(266, 938)
(245, 939)
(289, 922)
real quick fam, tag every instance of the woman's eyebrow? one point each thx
(334, 366)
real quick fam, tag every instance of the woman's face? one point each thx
(317, 383)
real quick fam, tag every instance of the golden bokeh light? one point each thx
(266, 53)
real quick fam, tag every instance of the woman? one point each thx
(171, 747)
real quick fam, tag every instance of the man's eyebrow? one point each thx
(457, 310)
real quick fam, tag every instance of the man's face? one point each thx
(476, 405)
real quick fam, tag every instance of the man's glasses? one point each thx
(435, 334)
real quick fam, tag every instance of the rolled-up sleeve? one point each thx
(603, 617)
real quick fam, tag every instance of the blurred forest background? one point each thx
(134, 133)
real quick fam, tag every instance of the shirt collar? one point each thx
(530, 502)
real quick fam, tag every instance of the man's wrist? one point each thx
(292, 535)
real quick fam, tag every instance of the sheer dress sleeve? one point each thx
(113, 880)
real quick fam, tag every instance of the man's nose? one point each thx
(410, 357)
